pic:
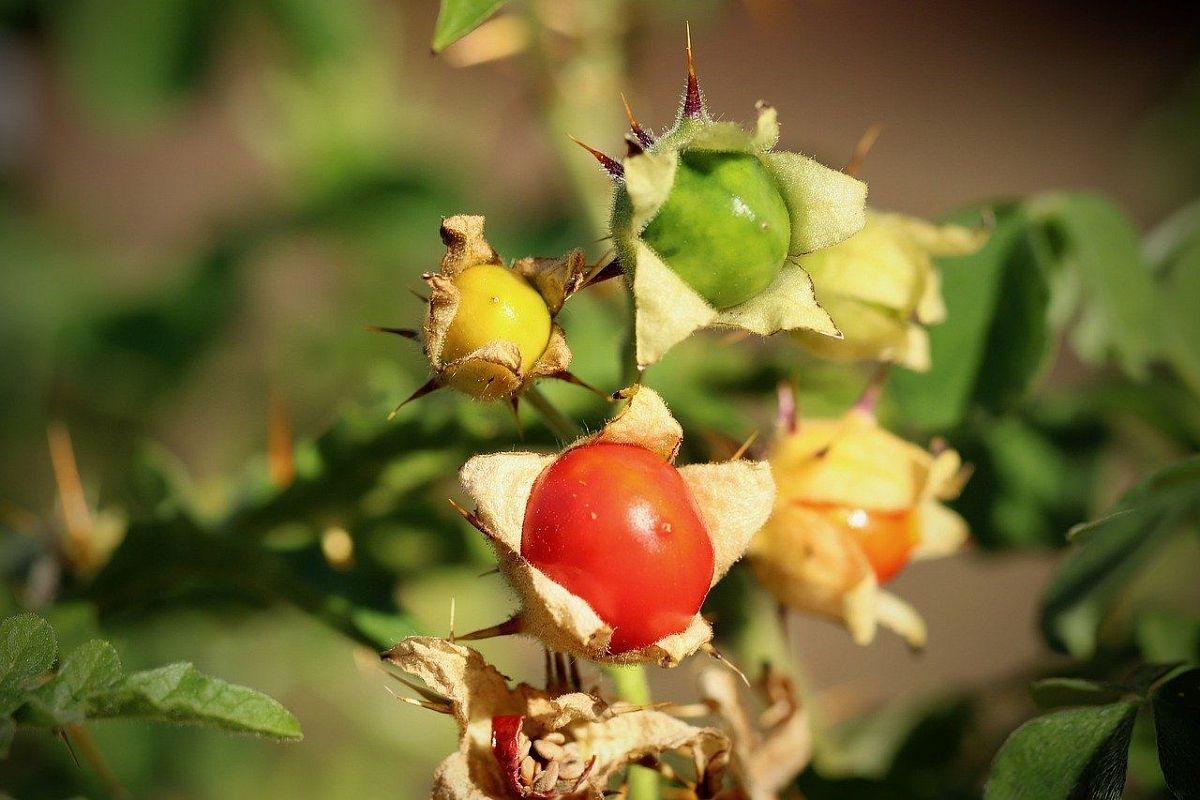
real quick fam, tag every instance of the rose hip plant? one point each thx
(729, 393)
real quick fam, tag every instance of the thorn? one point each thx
(612, 269)
(643, 138)
(470, 517)
(407, 333)
(281, 454)
(62, 734)
(412, 701)
(693, 103)
(77, 517)
(632, 146)
(785, 418)
(613, 168)
(576, 681)
(428, 387)
(715, 653)
(429, 694)
(865, 143)
(452, 609)
(418, 295)
(560, 671)
(870, 396)
(509, 627)
(514, 403)
(566, 376)
(492, 571)
(741, 451)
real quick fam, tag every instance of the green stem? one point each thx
(631, 686)
(563, 427)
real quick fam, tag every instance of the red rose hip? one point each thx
(615, 525)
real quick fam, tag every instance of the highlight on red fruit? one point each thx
(616, 525)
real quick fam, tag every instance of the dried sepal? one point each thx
(833, 475)
(524, 742)
(823, 207)
(772, 738)
(882, 287)
(733, 499)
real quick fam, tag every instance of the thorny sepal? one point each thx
(554, 279)
(733, 499)
(823, 207)
(830, 473)
(526, 743)
(771, 746)
(881, 287)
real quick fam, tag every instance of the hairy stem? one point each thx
(555, 420)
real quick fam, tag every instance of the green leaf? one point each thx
(1020, 336)
(1113, 549)
(27, 650)
(457, 18)
(1100, 245)
(1180, 294)
(1176, 705)
(91, 668)
(175, 562)
(971, 286)
(1067, 692)
(1078, 753)
(1166, 636)
(179, 693)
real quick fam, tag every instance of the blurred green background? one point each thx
(203, 203)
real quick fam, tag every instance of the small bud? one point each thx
(881, 287)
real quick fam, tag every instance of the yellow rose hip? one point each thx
(495, 305)
(489, 329)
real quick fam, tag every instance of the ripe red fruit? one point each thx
(616, 525)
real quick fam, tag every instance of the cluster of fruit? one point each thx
(610, 546)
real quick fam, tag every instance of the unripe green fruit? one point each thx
(495, 304)
(724, 228)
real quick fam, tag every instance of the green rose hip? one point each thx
(708, 223)
(724, 228)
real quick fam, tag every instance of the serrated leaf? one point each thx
(457, 18)
(1078, 753)
(1176, 705)
(1113, 550)
(91, 668)
(27, 650)
(1069, 692)
(180, 693)
(1120, 309)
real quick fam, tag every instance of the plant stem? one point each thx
(631, 686)
(563, 427)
